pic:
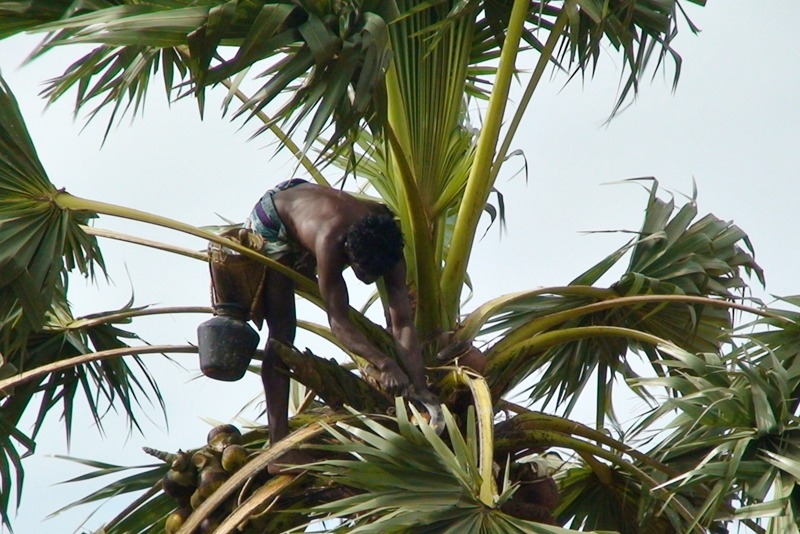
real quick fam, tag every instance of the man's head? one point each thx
(374, 244)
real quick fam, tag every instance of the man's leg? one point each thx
(282, 323)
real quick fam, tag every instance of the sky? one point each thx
(731, 128)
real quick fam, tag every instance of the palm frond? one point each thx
(642, 31)
(12, 474)
(674, 256)
(733, 432)
(190, 38)
(618, 504)
(152, 507)
(443, 495)
(17, 17)
(40, 241)
(102, 385)
(111, 380)
(147, 479)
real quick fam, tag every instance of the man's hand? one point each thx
(392, 379)
(395, 382)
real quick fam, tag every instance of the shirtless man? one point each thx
(303, 224)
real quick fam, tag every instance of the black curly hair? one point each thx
(375, 243)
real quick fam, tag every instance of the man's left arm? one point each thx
(402, 324)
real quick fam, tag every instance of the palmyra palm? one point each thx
(383, 90)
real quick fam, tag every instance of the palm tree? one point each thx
(383, 90)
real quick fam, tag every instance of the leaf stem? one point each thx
(483, 407)
(541, 324)
(425, 266)
(109, 234)
(533, 83)
(61, 365)
(536, 420)
(479, 183)
(283, 138)
(546, 340)
(93, 320)
(67, 201)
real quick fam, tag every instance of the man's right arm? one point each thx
(334, 292)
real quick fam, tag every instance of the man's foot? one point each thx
(430, 403)
(392, 379)
(290, 463)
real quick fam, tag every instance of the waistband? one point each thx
(261, 213)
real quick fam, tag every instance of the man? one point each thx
(305, 224)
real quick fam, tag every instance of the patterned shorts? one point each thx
(264, 220)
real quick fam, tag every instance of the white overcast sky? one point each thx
(732, 127)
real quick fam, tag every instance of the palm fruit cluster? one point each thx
(537, 495)
(193, 476)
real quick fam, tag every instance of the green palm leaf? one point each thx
(732, 432)
(642, 31)
(442, 495)
(145, 480)
(12, 474)
(137, 40)
(41, 242)
(16, 17)
(102, 384)
(619, 504)
(675, 256)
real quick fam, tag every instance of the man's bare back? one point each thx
(338, 230)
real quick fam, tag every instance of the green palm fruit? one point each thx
(176, 519)
(205, 458)
(177, 491)
(210, 480)
(186, 477)
(181, 461)
(222, 429)
(234, 457)
(220, 440)
(196, 500)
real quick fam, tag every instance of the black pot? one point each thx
(226, 344)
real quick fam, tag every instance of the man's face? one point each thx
(363, 275)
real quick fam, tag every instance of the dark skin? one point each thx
(318, 219)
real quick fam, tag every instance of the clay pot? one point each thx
(226, 344)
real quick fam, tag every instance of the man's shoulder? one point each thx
(319, 202)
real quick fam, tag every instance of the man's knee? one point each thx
(282, 332)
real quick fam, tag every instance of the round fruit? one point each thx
(222, 429)
(196, 499)
(176, 519)
(233, 458)
(210, 481)
(205, 458)
(179, 492)
(181, 461)
(184, 478)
